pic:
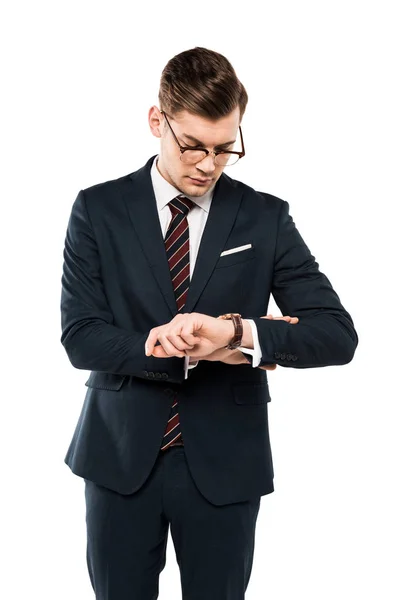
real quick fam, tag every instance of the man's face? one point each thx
(192, 130)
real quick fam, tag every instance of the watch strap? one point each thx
(238, 333)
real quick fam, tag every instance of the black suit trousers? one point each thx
(127, 537)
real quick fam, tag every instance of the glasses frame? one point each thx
(185, 148)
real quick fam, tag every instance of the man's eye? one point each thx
(202, 148)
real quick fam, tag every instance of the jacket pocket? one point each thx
(105, 381)
(236, 257)
(251, 393)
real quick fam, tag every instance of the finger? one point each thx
(287, 318)
(151, 341)
(190, 340)
(177, 341)
(183, 338)
(290, 319)
(155, 335)
(159, 352)
(169, 347)
(203, 348)
(188, 337)
(181, 346)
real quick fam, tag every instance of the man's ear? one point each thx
(155, 121)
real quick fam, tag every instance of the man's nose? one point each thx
(207, 164)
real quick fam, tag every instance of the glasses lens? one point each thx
(189, 157)
(226, 159)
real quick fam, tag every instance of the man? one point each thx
(166, 280)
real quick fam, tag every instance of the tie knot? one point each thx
(181, 204)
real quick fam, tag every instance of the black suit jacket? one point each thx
(116, 286)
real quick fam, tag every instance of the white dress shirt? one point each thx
(197, 217)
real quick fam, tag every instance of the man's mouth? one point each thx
(202, 181)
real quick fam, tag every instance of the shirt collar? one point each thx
(165, 192)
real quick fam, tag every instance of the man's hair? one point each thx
(202, 82)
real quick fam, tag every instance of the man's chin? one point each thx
(197, 189)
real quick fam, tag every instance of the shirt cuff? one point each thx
(188, 366)
(255, 352)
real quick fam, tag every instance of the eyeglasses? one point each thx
(222, 158)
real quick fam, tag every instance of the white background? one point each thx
(322, 132)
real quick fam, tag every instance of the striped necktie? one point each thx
(177, 249)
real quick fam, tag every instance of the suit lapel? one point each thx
(142, 207)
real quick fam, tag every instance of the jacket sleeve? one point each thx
(325, 334)
(253, 355)
(89, 336)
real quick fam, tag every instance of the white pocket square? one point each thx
(237, 249)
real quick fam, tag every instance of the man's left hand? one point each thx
(193, 334)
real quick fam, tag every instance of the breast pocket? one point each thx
(236, 257)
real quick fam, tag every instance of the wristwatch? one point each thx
(237, 337)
